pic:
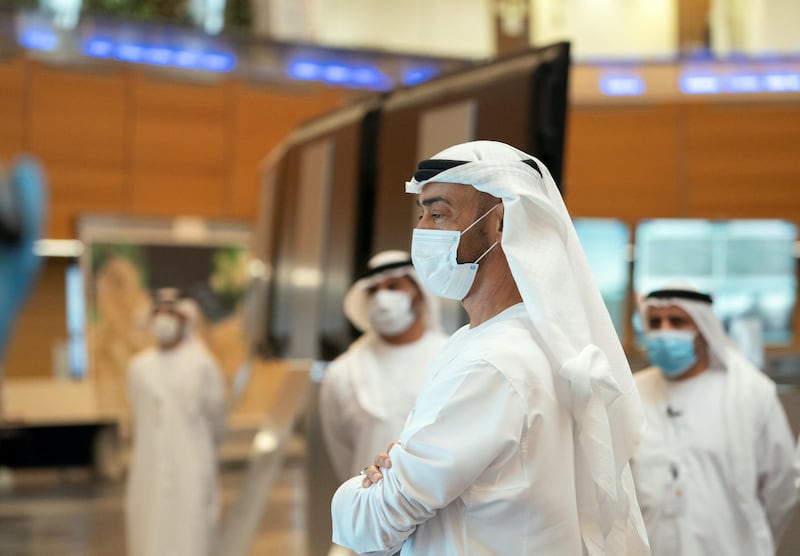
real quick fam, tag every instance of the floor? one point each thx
(66, 513)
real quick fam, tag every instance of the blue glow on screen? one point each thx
(416, 76)
(76, 322)
(622, 85)
(160, 55)
(747, 265)
(605, 243)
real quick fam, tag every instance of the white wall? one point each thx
(459, 28)
(755, 27)
(598, 29)
(602, 29)
(781, 30)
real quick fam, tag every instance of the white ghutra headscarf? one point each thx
(593, 378)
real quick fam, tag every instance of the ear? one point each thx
(500, 216)
(700, 344)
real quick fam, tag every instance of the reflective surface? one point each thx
(67, 513)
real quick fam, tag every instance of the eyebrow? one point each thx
(431, 201)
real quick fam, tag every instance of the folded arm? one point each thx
(461, 424)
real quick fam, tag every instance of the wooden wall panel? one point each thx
(42, 323)
(262, 118)
(743, 161)
(623, 161)
(179, 148)
(77, 129)
(12, 102)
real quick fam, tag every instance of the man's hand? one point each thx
(372, 473)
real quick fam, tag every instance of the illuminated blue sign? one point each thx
(622, 85)
(744, 83)
(39, 39)
(160, 55)
(770, 82)
(782, 82)
(701, 84)
(339, 73)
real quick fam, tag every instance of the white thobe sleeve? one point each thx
(214, 398)
(132, 389)
(461, 423)
(334, 412)
(776, 471)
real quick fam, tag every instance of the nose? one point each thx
(425, 222)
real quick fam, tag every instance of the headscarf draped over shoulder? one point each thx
(593, 378)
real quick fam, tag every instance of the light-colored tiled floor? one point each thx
(51, 513)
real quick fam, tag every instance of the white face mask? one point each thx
(390, 312)
(165, 328)
(435, 257)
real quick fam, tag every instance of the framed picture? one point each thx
(126, 259)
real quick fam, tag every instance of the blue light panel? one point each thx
(339, 73)
(701, 84)
(38, 39)
(160, 55)
(767, 82)
(744, 83)
(622, 85)
(782, 82)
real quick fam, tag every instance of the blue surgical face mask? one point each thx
(672, 351)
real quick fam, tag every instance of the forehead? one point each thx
(669, 311)
(166, 310)
(391, 280)
(443, 192)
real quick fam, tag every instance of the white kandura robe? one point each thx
(367, 394)
(486, 464)
(689, 467)
(178, 405)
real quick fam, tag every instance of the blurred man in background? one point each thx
(714, 473)
(177, 397)
(369, 390)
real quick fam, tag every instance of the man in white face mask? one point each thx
(714, 473)
(177, 397)
(520, 439)
(369, 390)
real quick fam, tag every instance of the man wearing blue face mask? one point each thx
(714, 473)
(520, 438)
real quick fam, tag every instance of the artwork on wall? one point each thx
(126, 260)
